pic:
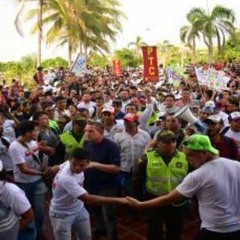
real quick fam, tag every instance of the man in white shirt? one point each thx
(28, 169)
(132, 142)
(67, 210)
(15, 211)
(87, 103)
(215, 183)
(111, 126)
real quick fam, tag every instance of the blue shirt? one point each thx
(105, 152)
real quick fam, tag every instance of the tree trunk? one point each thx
(69, 51)
(210, 50)
(39, 60)
(194, 50)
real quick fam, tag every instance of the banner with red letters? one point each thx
(150, 72)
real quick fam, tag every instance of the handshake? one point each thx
(129, 201)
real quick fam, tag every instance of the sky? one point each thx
(153, 20)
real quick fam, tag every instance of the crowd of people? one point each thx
(99, 140)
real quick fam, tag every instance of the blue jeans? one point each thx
(205, 234)
(62, 225)
(35, 192)
(125, 183)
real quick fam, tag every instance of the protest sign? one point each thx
(117, 67)
(150, 72)
(79, 67)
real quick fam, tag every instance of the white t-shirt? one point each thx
(216, 184)
(9, 129)
(8, 123)
(21, 154)
(224, 117)
(66, 189)
(5, 156)
(14, 197)
(90, 106)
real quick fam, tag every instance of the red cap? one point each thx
(131, 117)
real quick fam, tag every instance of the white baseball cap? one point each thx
(210, 104)
(234, 115)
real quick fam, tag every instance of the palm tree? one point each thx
(184, 52)
(80, 23)
(99, 22)
(137, 44)
(216, 24)
(188, 35)
(39, 23)
(164, 50)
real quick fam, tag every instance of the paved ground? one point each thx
(133, 228)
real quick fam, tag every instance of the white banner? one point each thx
(212, 78)
(79, 67)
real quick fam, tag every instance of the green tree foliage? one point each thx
(39, 15)
(164, 51)
(98, 60)
(83, 25)
(216, 24)
(232, 49)
(188, 35)
(54, 63)
(127, 58)
(26, 67)
(137, 45)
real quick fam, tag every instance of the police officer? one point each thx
(74, 138)
(160, 171)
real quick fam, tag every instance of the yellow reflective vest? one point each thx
(163, 178)
(70, 141)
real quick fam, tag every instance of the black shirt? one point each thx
(105, 152)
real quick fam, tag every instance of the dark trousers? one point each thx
(169, 216)
(205, 234)
(105, 215)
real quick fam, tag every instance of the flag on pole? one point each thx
(150, 72)
(117, 67)
(79, 67)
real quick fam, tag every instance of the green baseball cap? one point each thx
(200, 142)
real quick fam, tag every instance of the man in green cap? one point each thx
(215, 183)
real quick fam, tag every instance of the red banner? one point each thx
(117, 68)
(150, 73)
